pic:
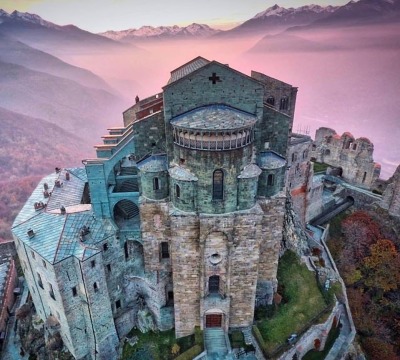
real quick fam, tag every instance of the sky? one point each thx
(103, 15)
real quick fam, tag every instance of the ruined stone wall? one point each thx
(353, 156)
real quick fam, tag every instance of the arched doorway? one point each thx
(214, 318)
(126, 214)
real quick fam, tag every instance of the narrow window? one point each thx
(170, 298)
(354, 146)
(105, 246)
(177, 191)
(213, 284)
(126, 250)
(156, 183)
(51, 292)
(40, 283)
(164, 250)
(74, 291)
(118, 304)
(109, 268)
(218, 185)
(93, 263)
(364, 177)
(284, 103)
(271, 101)
(270, 180)
(95, 288)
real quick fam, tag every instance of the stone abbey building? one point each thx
(178, 221)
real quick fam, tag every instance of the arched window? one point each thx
(284, 103)
(271, 101)
(156, 183)
(270, 180)
(177, 191)
(305, 154)
(218, 185)
(213, 284)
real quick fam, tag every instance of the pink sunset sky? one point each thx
(102, 15)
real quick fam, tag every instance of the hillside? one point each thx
(16, 52)
(31, 148)
(75, 108)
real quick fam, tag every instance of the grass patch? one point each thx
(155, 346)
(302, 302)
(319, 167)
(320, 355)
(237, 339)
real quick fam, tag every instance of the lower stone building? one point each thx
(176, 223)
(352, 157)
(8, 284)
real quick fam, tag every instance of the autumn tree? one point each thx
(360, 232)
(381, 267)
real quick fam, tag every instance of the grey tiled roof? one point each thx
(69, 194)
(180, 173)
(187, 68)
(214, 117)
(250, 171)
(154, 163)
(57, 236)
(270, 160)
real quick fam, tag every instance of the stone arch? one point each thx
(214, 318)
(317, 344)
(125, 209)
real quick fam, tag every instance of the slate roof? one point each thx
(214, 117)
(154, 163)
(180, 173)
(187, 68)
(250, 171)
(270, 160)
(58, 236)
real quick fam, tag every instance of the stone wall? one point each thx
(391, 195)
(353, 156)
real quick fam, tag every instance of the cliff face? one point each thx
(391, 195)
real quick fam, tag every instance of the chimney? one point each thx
(57, 169)
(67, 176)
(58, 183)
(30, 233)
(45, 186)
(136, 99)
(63, 211)
(46, 194)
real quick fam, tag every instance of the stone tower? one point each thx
(178, 221)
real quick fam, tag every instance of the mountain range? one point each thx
(162, 32)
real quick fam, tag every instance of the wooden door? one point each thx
(214, 320)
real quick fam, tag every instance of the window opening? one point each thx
(213, 284)
(164, 250)
(156, 183)
(177, 191)
(218, 185)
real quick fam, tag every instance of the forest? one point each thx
(365, 246)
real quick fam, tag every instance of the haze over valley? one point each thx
(61, 87)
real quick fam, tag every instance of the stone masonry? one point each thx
(176, 223)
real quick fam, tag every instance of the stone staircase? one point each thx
(128, 186)
(215, 344)
(128, 170)
(128, 209)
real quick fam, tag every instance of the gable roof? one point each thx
(187, 68)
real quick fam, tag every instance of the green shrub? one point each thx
(198, 336)
(191, 353)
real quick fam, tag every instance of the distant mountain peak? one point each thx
(277, 10)
(146, 31)
(26, 17)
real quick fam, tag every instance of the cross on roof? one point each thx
(214, 78)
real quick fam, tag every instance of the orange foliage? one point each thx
(382, 266)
